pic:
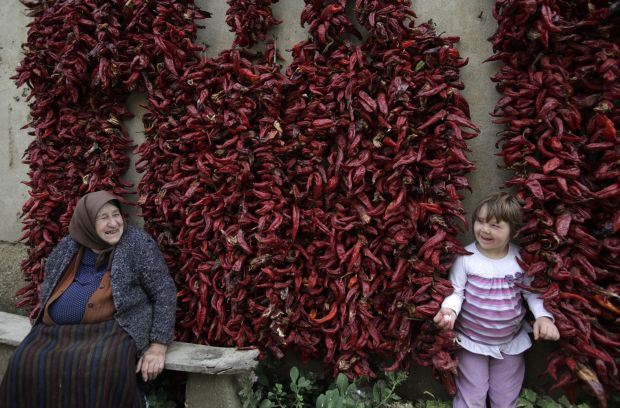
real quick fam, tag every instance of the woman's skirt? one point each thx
(82, 365)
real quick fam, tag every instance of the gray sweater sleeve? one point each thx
(159, 287)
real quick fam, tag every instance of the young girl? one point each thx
(490, 309)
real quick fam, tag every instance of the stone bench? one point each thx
(212, 371)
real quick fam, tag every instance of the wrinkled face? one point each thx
(492, 236)
(109, 224)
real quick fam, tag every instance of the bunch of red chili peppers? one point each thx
(75, 69)
(379, 160)
(250, 20)
(560, 108)
(213, 193)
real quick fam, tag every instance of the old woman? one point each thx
(107, 312)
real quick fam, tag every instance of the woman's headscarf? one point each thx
(82, 225)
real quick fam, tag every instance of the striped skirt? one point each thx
(82, 365)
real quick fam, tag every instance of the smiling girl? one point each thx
(490, 311)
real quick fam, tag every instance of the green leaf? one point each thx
(565, 402)
(376, 397)
(529, 395)
(294, 374)
(304, 383)
(343, 383)
(266, 404)
(548, 402)
(419, 65)
(523, 403)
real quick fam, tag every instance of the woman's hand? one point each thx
(544, 329)
(152, 361)
(445, 318)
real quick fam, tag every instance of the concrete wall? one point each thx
(471, 20)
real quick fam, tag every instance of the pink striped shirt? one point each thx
(492, 310)
(489, 305)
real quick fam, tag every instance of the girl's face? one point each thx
(492, 237)
(109, 224)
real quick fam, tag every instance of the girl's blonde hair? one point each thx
(502, 207)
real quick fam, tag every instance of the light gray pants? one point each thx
(478, 375)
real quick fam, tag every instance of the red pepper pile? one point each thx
(375, 175)
(250, 20)
(314, 213)
(211, 194)
(560, 107)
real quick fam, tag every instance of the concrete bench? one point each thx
(212, 371)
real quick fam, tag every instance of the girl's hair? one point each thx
(502, 207)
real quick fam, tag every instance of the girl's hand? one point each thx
(445, 318)
(544, 329)
(152, 361)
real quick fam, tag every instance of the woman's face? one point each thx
(109, 224)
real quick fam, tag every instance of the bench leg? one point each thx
(211, 391)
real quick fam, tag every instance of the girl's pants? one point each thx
(479, 375)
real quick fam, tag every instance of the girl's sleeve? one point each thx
(534, 301)
(458, 277)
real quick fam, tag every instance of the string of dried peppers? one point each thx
(74, 69)
(560, 107)
(379, 162)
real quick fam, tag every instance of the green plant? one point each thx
(298, 394)
(385, 393)
(343, 395)
(530, 399)
(300, 386)
(352, 395)
(250, 396)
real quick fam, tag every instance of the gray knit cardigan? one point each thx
(143, 291)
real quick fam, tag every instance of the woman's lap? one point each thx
(73, 366)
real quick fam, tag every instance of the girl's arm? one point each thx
(544, 326)
(458, 277)
(451, 306)
(534, 302)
